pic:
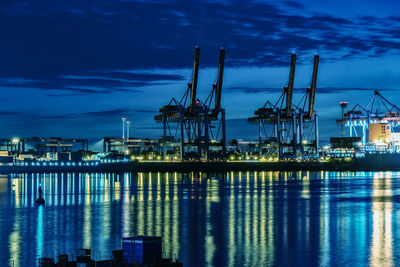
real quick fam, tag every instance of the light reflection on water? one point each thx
(246, 218)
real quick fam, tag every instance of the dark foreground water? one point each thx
(231, 219)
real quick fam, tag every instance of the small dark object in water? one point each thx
(40, 200)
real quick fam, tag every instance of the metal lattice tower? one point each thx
(378, 110)
(283, 127)
(194, 121)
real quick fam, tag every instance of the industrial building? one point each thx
(39, 148)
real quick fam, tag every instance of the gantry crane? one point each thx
(215, 139)
(200, 126)
(287, 127)
(378, 110)
(308, 119)
(277, 123)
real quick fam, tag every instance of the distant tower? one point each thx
(343, 105)
(123, 128)
(128, 124)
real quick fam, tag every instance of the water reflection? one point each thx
(229, 219)
(382, 236)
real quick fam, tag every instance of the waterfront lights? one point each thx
(15, 140)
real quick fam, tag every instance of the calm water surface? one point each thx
(230, 219)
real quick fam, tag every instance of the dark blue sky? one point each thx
(73, 68)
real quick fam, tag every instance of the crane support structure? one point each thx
(215, 118)
(196, 129)
(285, 128)
(308, 134)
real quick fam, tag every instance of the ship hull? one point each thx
(379, 161)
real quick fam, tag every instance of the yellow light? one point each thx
(305, 142)
(15, 140)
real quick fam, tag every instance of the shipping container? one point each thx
(142, 250)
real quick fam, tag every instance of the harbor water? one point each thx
(225, 219)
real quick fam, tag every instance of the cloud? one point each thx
(145, 111)
(323, 90)
(62, 116)
(68, 37)
(255, 90)
(294, 4)
(107, 113)
(114, 51)
(101, 113)
(78, 48)
(106, 83)
(10, 113)
(149, 127)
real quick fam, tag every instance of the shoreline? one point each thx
(187, 167)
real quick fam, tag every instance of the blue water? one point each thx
(230, 219)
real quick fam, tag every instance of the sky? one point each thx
(73, 68)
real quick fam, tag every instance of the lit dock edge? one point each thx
(209, 167)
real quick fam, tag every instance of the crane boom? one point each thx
(194, 80)
(289, 93)
(218, 88)
(313, 87)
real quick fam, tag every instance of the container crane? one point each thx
(308, 119)
(215, 134)
(185, 119)
(196, 122)
(277, 122)
(379, 110)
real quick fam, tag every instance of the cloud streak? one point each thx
(326, 90)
